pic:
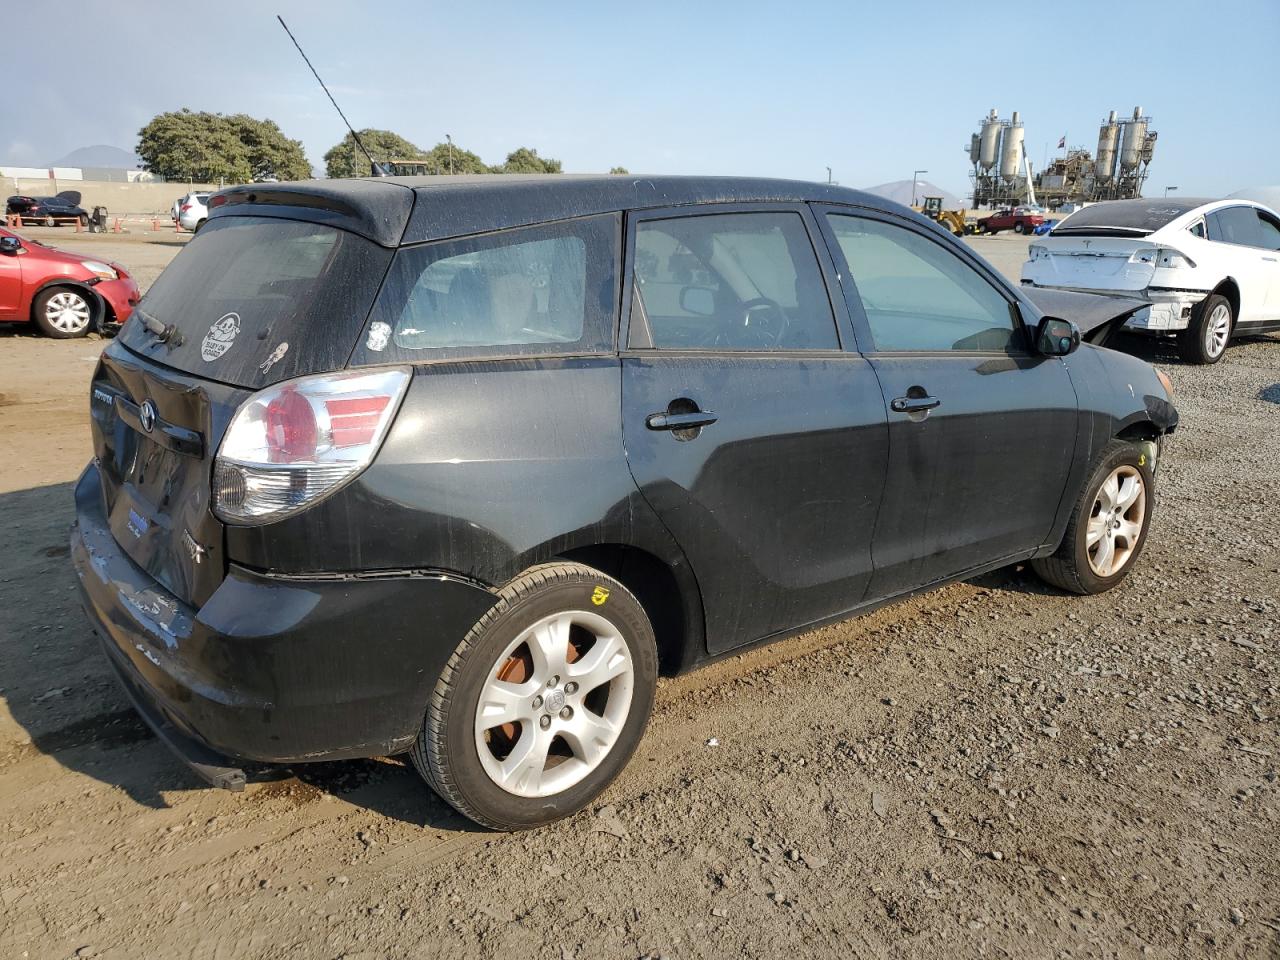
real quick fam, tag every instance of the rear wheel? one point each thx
(62, 313)
(199, 224)
(1206, 337)
(50, 222)
(1019, 228)
(1108, 526)
(543, 702)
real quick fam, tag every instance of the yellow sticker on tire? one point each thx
(599, 596)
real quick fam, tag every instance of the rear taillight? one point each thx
(184, 208)
(291, 444)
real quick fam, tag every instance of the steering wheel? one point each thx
(764, 321)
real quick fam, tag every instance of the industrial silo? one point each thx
(1011, 149)
(975, 148)
(989, 143)
(1108, 136)
(1135, 135)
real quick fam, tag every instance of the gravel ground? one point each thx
(993, 769)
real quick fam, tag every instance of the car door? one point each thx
(981, 430)
(10, 282)
(1269, 241)
(756, 437)
(1237, 234)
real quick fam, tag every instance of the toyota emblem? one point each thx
(147, 415)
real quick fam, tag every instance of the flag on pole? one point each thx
(1062, 144)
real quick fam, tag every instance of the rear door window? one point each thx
(542, 290)
(1268, 231)
(254, 300)
(737, 281)
(1238, 225)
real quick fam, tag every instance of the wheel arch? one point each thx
(669, 595)
(1231, 290)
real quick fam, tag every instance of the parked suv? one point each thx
(193, 211)
(456, 466)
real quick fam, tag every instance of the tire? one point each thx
(1019, 228)
(50, 222)
(63, 313)
(1206, 337)
(199, 224)
(1076, 566)
(467, 760)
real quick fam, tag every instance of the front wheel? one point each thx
(543, 702)
(1019, 228)
(1108, 526)
(1205, 339)
(62, 313)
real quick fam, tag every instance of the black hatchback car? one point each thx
(458, 466)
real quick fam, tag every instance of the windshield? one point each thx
(1125, 218)
(254, 300)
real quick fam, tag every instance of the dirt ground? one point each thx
(994, 769)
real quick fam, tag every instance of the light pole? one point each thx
(915, 177)
(828, 174)
(450, 139)
(1167, 189)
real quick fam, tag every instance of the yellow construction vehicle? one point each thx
(954, 220)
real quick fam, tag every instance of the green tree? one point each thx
(189, 145)
(269, 152)
(184, 145)
(464, 161)
(346, 160)
(526, 160)
(619, 170)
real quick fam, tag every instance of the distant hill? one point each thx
(100, 155)
(899, 191)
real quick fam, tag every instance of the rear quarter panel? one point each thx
(490, 467)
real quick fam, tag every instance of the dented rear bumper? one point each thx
(271, 669)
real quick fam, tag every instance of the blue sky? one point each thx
(874, 91)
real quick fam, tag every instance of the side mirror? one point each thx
(700, 301)
(10, 245)
(1057, 338)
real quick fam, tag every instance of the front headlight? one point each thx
(100, 270)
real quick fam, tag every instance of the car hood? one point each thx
(1088, 311)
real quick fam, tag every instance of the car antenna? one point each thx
(375, 167)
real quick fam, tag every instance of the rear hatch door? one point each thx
(250, 302)
(1092, 263)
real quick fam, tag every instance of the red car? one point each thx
(64, 294)
(1018, 220)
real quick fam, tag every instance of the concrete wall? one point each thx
(121, 199)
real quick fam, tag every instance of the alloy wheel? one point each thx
(1217, 330)
(1116, 521)
(67, 312)
(554, 704)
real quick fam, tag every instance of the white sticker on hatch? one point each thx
(379, 336)
(275, 357)
(220, 337)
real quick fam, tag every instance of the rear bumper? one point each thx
(271, 669)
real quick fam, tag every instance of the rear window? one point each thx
(1125, 218)
(256, 300)
(547, 289)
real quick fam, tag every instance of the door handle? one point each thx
(680, 421)
(914, 404)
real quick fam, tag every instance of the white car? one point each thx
(193, 211)
(1210, 269)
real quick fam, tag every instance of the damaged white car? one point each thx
(1209, 270)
